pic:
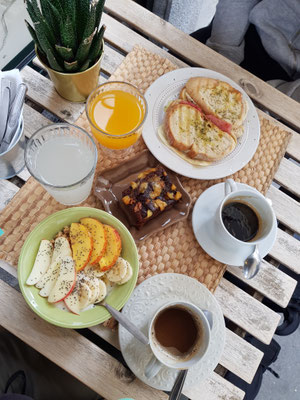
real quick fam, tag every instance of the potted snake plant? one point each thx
(69, 43)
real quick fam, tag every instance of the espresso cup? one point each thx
(180, 351)
(252, 202)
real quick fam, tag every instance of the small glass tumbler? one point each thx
(116, 112)
(62, 158)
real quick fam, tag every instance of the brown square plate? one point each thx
(110, 185)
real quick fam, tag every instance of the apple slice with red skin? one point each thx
(113, 248)
(72, 301)
(65, 281)
(82, 245)
(97, 231)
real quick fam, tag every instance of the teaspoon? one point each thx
(124, 321)
(252, 264)
(178, 385)
(179, 382)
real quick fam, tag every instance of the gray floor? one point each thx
(287, 366)
(190, 15)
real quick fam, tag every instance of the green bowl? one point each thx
(47, 230)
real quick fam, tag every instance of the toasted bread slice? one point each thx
(218, 98)
(188, 130)
(162, 136)
(223, 125)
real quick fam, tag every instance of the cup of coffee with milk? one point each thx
(179, 335)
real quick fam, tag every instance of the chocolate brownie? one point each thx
(149, 195)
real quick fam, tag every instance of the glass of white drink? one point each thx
(62, 157)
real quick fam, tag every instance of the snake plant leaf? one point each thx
(34, 37)
(71, 12)
(32, 32)
(65, 53)
(57, 17)
(90, 25)
(48, 15)
(36, 8)
(70, 6)
(47, 48)
(53, 61)
(48, 31)
(96, 48)
(85, 65)
(99, 11)
(67, 34)
(65, 26)
(72, 66)
(82, 16)
(36, 16)
(44, 42)
(84, 48)
(31, 12)
(58, 5)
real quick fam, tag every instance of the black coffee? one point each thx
(240, 220)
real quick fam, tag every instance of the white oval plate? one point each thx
(167, 88)
(146, 299)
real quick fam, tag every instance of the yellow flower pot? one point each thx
(74, 86)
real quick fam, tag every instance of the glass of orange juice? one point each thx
(116, 112)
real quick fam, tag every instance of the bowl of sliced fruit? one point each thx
(74, 259)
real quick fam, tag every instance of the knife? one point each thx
(4, 103)
(13, 119)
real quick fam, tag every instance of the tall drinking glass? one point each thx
(116, 112)
(62, 158)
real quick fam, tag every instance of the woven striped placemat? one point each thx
(174, 249)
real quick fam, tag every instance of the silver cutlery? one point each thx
(13, 119)
(124, 321)
(252, 264)
(4, 102)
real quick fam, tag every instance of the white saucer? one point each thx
(146, 299)
(206, 232)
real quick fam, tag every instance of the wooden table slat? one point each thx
(24, 174)
(288, 176)
(42, 92)
(33, 120)
(286, 250)
(287, 209)
(241, 357)
(293, 148)
(123, 38)
(247, 312)
(7, 191)
(270, 282)
(111, 60)
(59, 345)
(214, 388)
(197, 53)
(238, 356)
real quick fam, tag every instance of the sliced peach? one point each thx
(82, 245)
(97, 231)
(113, 248)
